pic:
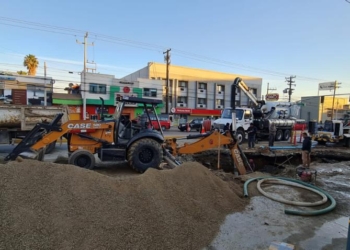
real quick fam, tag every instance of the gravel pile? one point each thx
(53, 206)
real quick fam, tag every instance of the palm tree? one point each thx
(21, 72)
(31, 62)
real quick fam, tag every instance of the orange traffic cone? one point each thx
(202, 130)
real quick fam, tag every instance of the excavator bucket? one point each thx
(35, 135)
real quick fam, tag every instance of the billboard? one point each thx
(272, 97)
(326, 86)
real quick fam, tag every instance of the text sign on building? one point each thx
(181, 110)
(272, 97)
(19, 96)
(326, 86)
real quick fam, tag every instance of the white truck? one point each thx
(334, 131)
(283, 114)
(17, 120)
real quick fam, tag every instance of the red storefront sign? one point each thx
(203, 112)
(181, 111)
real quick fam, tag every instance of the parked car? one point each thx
(194, 124)
(163, 120)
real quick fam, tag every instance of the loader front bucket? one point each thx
(33, 154)
(35, 135)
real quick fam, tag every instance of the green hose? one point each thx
(293, 184)
(293, 212)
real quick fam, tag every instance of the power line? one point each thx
(143, 45)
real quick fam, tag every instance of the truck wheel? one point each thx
(163, 128)
(82, 158)
(51, 147)
(240, 136)
(145, 153)
(279, 135)
(286, 135)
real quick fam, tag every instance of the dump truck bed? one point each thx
(24, 117)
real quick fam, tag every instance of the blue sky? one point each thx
(272, 39)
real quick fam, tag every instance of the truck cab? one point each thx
(333, 131)
(244, 116)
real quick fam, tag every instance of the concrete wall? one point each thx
(150, 83)
(310, 110)
(142, 73)
(313, 109)
(98, 79)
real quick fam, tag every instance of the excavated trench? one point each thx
(270, 162)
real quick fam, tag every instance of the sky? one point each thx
(271, 39)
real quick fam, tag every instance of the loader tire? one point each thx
(50, 148)
(143, 154)
(82, 158)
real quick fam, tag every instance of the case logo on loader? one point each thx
(79, 126)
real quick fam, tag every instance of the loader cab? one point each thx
(126, 129)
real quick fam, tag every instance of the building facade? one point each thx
(26, 90)
(95, 86)
(321, 108)
(197, 92)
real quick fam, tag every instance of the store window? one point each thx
(150, 92)
(95, 88)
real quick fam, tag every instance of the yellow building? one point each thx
(321, 108)
(197, 92)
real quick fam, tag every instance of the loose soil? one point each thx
(57, 206)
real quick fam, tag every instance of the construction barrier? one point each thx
(297, 134)
(206, 126)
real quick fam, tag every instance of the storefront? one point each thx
(187, 114)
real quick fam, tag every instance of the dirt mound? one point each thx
(52, 206)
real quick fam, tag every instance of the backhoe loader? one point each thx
(122, 139)
(211, 140)
(119, 139)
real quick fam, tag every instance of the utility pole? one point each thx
(335, 87)
(167, 61)
(45, 92)
(290, 84)
(267, 91)
(84, 73)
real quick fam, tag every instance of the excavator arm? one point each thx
(43, 134)
(210, 141)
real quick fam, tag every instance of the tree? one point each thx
(31, 62)
(21, 72)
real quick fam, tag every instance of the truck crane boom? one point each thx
(238, 82)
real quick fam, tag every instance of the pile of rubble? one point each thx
(58, 206)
